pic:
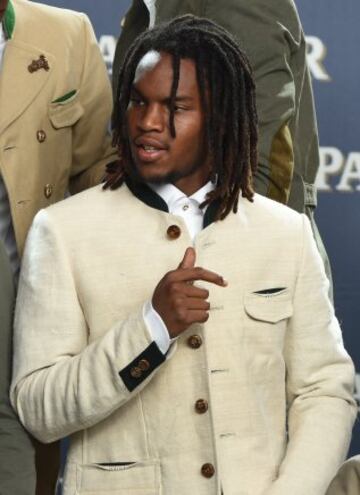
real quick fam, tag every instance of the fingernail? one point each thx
(225, 282)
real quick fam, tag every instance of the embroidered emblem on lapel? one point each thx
(40, 63)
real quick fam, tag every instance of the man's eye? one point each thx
(135, 101)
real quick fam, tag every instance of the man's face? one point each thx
(157, 156)
(3, 5)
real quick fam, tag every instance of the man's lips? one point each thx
(149, 149)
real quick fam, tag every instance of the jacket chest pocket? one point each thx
(139, 478)
(266, 314)
(65, 114)
(63, 117)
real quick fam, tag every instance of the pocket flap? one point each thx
(65, 114)
(143, 475)
(271, 308)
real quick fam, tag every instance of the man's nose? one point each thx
(152, 118)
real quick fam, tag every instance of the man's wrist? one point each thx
(156, 327)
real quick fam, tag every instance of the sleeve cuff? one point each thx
(156, 327)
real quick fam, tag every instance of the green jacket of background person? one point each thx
(15, 446)
(271, 34)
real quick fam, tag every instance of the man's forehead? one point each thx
(162, 65)
(147, 63)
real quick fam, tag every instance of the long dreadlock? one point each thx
(227, 93)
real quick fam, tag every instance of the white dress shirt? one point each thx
(6, 227)
(186, 207)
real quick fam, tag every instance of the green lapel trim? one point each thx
(210, 213)
(146, 195)
(65, 97)
(9, 20)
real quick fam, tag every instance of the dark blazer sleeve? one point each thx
(17, 463)
(270, 34)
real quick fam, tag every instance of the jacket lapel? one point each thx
(18, 86)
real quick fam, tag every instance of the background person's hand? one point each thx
(178, 301)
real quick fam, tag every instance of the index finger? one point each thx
(197, 273)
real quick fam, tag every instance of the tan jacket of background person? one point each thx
(271, 34)
(270, 364)
(53, 123)
(53, 120)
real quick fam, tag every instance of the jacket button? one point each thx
(207, 470)
(41, 136)
(135, 372)
(173, 232)
(144, 364)
(201, 406)
(194, 341)
(48, 190)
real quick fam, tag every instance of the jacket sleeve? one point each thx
(320, 377)
(17, 459)
(65, 380)
(91, 146)
(270, 34)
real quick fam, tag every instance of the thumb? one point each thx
(189, 258)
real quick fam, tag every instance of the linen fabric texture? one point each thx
(272, 365)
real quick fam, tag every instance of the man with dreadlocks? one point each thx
(154, 328)
(271, 34)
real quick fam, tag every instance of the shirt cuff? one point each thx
(156, 327)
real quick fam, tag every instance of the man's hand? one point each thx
(178, 301)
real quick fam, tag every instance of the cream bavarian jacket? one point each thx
(271, 363)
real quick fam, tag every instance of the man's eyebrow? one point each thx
(179, 98)
(183, 97)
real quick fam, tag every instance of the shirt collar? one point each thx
(170, 194)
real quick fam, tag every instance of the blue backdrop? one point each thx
(333, 39)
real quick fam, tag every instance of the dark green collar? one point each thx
(9, 20)
(210, 213)
(145, 194)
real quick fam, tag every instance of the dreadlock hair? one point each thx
(227, 93)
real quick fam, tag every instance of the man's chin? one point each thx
(148, 176)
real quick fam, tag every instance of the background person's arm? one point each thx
(91, 142)
(270, 33)
(17, 458)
